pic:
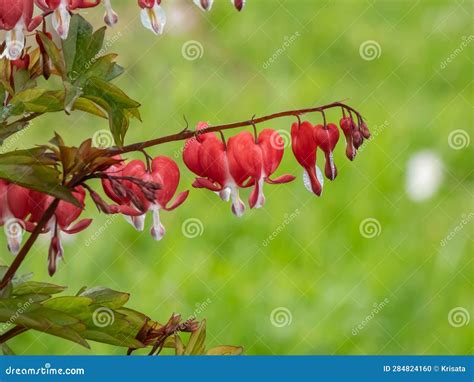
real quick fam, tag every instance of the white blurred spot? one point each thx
(424, 175)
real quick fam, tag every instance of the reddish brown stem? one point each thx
(12, 333)
(186, 134)
(10, 273)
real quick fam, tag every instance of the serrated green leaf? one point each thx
(82, 46)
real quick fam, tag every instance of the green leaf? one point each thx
(86, 105)
(196, 341)
(99, 88)
(54, 53)
(120, 108)
(37, 101)
(106, 297)
(76, 306)
(10, 129)
(81, 46)
(105, 68)
(72, 94)
(30, 287)
(24, 168)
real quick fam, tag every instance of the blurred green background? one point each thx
(311, 289)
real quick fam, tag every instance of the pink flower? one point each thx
(207, 157)
(243, 163)
(63, 220)
(14, 208)
(152, 15)
(163, 172)
(304, 148)
(327, 138)
(253, 162)
(16, 17)
(61, 12)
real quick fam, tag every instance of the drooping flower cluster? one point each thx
(22, 209)
(126, 184)
(244, 161)
(135, 187)
(307, 138)
(247, 161)
(17, 17)
(222, 166)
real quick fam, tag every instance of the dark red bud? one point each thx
(365, 130)
(357, 138)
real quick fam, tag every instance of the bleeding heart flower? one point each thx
(327, 138)
(14, 208)
(346, 126)
(204, 5)
(152, 15)
(115, 190)
(207, 157)
(16, 17)
(61, 12)
(255, 162)
(164, 172)
(304, 148)
(62, 221)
